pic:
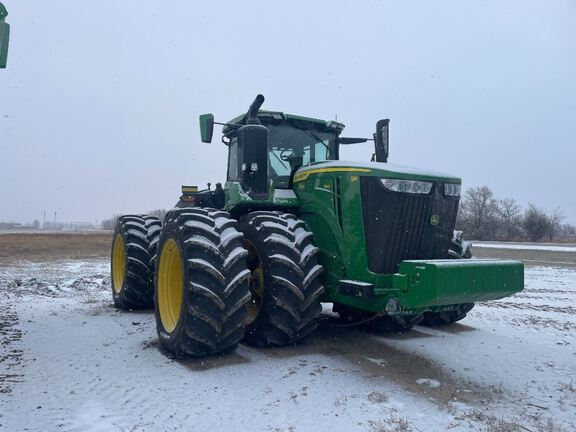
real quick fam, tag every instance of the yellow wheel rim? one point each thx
(256, 282)
(118, 264)
(170, 285)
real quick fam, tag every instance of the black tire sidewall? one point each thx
(281, 319)
(171, 340)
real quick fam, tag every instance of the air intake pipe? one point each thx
(252, 114)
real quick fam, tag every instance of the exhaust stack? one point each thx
(252, 114)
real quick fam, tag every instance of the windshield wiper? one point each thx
(312, 134)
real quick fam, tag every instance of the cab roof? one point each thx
(271, 116)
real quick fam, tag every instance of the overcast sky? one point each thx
(99, 105)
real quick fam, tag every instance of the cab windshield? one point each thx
(291, 146)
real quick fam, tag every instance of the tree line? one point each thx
(482, 216)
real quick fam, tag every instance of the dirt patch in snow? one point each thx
(365, 352)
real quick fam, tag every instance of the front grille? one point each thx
(397, 226)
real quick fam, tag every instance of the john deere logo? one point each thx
(434, 220)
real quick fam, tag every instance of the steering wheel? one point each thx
(286, 154)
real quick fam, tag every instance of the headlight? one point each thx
(452, 189)
(407, 186)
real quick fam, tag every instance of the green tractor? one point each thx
(292, 227)
(4, 36)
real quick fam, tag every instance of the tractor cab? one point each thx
(267, 148)
(293, 142)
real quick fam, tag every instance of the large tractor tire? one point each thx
(154, 227)
(201, 283)
(284, 282)
(131, 263)
(459, 249)
(435, 319)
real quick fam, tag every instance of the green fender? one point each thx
(4, 36)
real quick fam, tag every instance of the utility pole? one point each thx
(44, 221)
(54, 224)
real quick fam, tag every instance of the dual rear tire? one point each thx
(284, 279)
(134, 247)
(218, 281)
(201, 283)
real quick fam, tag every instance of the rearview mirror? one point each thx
(4, 37)
(206, 127)
(346, 141)
(381, 141)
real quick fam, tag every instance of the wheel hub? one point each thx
(256, 282)
(170, 285)
(118, 263)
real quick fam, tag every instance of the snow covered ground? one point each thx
(70, 361)
(525, 246)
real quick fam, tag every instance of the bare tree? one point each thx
(109, 224)
(568, 230)
(555, 218)
(535, 222)
(484, 217)
(478, 213)
(510, 217)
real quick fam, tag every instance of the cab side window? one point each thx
(233, 160)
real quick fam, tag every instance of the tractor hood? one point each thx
(376, 169)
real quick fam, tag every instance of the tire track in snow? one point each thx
(10, 355)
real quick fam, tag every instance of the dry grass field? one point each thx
(46, 246)
(529, 257)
